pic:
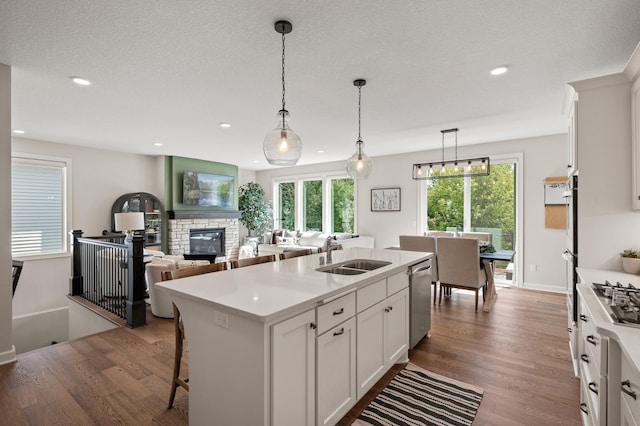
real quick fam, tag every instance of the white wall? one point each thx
(543, 157)
(98, 177)
(7, 352)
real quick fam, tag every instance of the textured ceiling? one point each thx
(171, 70)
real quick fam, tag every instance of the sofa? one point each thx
(282, 240)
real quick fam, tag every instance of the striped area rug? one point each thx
(419, 397)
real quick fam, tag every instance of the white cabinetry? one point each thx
(629, 393)
(572, 131)
(593, 370)
(293, 370)
(635, 144)
(383, 328)
(336, 362)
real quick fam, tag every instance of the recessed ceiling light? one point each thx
(321, 151)
(255, 161)
(18, 131)
(225, 125)
(157, 144)
(81, 81)
(499, 70)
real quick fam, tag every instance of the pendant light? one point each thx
(359, 165)
(451, 168)
(282, 146)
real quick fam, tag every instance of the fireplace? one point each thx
(207, 241)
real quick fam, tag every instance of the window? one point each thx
(38, 205)
(315, 203)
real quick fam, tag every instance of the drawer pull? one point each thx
(584, 318)
(339, 311)
(585, 358)
(569, 330)
(591, 339)
(312, 325)
(583, 408)
(627, 384)
(593, 387)
(338, 333)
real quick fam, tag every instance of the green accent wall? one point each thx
(174, 170)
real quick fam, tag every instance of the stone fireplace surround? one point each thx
(180, 223)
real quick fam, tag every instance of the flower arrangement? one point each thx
(630, 253)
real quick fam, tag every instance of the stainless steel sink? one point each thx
(353, 267)
(340, 270)
(366, 264)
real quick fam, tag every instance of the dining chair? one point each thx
(426, 244)
(295, 253)
(482, 236)
(459, 265)
(178, 326)
(240, 263)
(440, 234)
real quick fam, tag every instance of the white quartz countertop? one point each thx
(270, 290)
(627, 337)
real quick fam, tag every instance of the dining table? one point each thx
(488, 260)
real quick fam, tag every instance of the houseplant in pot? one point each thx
(255, 212)
(631, 261)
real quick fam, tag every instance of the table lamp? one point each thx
(129, 222)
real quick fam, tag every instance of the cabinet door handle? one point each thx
(627, 384)
(593, 387)
(338, 333)
(585, 358)
(591, 339)
(339, 311)
(386, 310)
(390, 308)
(569, 329)
(583, 408)
(583, 318)
(312, 325)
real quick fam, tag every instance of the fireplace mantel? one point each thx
(203, 214)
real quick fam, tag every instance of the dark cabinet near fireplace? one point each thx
(153, 216)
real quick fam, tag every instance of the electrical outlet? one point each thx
(533, 267)
(221, 319)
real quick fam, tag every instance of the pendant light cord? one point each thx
(359, 103)
(283, 88)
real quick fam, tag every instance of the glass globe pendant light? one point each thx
(282, 146)
(359, 165)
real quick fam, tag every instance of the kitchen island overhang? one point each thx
(229, 320)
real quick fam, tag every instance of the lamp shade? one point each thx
(129, 221)
(359, 165)
(282, 146)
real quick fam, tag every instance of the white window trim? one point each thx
(66, 206)
(326, 202)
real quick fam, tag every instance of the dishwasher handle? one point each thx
(420, 271)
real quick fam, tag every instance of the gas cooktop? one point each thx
(622, 303)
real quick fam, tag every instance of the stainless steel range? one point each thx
(622, 303)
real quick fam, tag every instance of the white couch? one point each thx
(281, 241)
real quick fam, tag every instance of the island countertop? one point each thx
(271, 290)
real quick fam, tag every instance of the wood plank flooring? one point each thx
(518, 353)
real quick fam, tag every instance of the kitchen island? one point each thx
(281, 343)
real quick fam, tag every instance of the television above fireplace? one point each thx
(207, 190)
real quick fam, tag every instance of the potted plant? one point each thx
(255, 212)
(631, 261)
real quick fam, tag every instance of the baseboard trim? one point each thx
(544, 287)
(8, 356)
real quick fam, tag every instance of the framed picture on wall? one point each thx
(385, 200)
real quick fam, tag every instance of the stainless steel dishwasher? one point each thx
(419, 301)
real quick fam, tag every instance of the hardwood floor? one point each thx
(518, 353)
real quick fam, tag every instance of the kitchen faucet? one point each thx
(331, 246)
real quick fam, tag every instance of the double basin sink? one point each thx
(353, 267)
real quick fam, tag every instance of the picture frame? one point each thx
(385, 199)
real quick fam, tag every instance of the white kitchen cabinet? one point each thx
(635, 142)
(629, 392)
(572, 133)
(336, 372)
(293, 371)
(383, 337)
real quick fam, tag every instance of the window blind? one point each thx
(37, 207)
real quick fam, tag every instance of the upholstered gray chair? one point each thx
(427, 244)
(459, 265)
